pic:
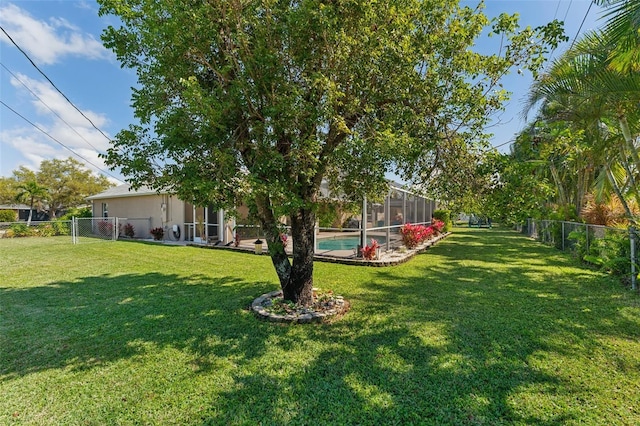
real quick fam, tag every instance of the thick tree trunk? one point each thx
(280, 260)
(300, 286)
(271, 228)
(296, 278)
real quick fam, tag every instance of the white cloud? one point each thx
(35, 147)
(48, 101)
(75, 132)
(48, 42)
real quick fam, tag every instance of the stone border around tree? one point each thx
(260, 304)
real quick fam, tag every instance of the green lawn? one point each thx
(487, 327)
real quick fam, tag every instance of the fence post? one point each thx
(74, 231)
(632, 239)
(562, 235)
(587, 248)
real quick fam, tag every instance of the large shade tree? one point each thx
(56, 185)
(261, 100)
(69, 184)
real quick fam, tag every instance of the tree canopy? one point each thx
(261, 100)
(56, 185)
(585, 136)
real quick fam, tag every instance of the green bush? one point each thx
(45, 230)
(561, 213)
(22, 230)
(8, 216)
(77, 212)
(611, 253)
(445, 216)
(578, 241)
(556, 233)
(62, 227)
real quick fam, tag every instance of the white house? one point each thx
(146, 209)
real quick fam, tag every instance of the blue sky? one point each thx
(63, 39)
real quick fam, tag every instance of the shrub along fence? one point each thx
(73, 231)
(615, 250)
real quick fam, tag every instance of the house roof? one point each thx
(14, 207)
(124, 190)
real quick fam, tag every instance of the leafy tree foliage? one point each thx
(261, 100)
(68, 184)
(623, 32)
(30, 192)
(57, 185)
(7, 190)
(517, 191)
(590, 114)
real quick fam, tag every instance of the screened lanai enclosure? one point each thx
(343, 228)
(374, 220)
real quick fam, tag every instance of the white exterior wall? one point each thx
(140, 207)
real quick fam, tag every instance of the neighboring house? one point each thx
(146, 209)
(22, 212)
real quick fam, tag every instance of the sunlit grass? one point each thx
(487, 327)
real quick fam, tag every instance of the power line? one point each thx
(57, 141)
(581, 24)
(48, 107)
(567, 13)
(53, 84)
(557, 8)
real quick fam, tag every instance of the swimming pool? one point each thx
(344, 243)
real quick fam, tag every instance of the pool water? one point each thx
(344, 243)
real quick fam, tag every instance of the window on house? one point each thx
(105, 210)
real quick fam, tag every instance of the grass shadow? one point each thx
(95, 320)
(449, 338)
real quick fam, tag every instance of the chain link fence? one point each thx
(612, 249)
(75, 231)
(94, 229)
(55, 232)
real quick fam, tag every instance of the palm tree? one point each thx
(622, 30)
(31, 192)
(586, 91)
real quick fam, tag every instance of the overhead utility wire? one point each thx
(581, 24)
(48, 107)
(52, 83)
(563, 19)
(56, 140)
(557, 8)
(567, 13)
